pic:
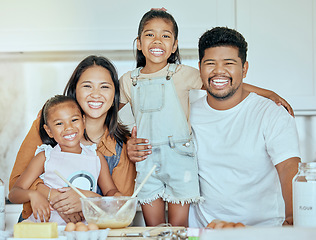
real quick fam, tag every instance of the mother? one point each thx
(95, 86)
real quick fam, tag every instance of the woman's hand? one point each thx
(40, 206)
(281, 101)
(216, 224)
(67, 201)
(73, 217)
(136, 152)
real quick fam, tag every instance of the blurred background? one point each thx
(41, 43)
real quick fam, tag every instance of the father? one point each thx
(247, 146)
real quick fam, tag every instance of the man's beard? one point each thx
(225, 95)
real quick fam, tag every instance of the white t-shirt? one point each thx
(237, 152)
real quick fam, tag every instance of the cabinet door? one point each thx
(81, 25)
(282, 37)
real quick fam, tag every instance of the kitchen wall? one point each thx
(41, 42)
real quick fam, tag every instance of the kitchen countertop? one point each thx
(247, 233)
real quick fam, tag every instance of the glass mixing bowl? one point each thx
(108, 214)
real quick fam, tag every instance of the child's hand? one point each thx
(40, 206)
(281, 101)
(136, 152)
(159, 9)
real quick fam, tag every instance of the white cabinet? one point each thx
(83, 25)
(282, 37)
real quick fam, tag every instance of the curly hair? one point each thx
(223, 36)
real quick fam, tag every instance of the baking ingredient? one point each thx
(70, 227)
(93, 226)
(35, 230)
(112, 223)
(82, 228)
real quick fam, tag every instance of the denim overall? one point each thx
(112, 162)
(160, 118)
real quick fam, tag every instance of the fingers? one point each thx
(74, 217)
(42, 214)
(137, 148)
(218, 224)
(286, 105)
(288, 221)
(64, 189)
(134, 132)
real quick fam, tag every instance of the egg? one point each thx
(93, 226)
(81, 228)
(70, 227)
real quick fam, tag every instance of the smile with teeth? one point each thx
(156, 51)
(70, 136)
(95, 104)
(219, 82)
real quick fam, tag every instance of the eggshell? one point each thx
(70, 227)
(93, 226)
(81, 228)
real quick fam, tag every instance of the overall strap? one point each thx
(135, 74)
(171, 70)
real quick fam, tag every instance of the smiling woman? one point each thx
(94, 84)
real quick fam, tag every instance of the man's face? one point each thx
(222, 72)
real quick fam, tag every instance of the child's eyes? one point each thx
(87, 86)
(75, 119)
(59, 124)
(166, 36)
(149, 35)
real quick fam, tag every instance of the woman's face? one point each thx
(95, 92)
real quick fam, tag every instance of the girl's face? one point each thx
(65, 124)
(157, 42)
(95, 92)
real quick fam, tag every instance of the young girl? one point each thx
(62, 127)
(158, 91)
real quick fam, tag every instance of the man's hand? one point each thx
(136, 152)
(287, 170)
(288, 221)
(216, 224)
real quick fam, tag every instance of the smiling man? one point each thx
(248, 149)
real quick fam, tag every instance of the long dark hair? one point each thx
(54, 101)
(174, 57)
(116, 130)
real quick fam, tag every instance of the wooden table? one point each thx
(139, 232)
